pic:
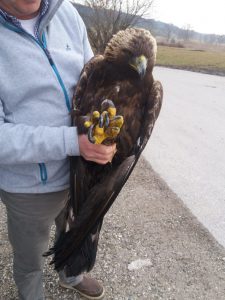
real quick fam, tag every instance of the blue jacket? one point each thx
(37, 80)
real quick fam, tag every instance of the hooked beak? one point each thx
(139, 64)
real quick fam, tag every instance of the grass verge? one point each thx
(206, 61)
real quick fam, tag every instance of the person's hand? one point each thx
(100, 154)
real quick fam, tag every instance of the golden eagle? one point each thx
(123, 75)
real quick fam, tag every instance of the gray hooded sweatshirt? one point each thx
(37, 80)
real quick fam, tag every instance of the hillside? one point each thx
(164, 31)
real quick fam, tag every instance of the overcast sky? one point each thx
(205, 16)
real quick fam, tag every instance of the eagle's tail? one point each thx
(76, 249)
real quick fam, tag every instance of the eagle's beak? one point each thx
(139, 64)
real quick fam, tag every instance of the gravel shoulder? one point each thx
(173, 255)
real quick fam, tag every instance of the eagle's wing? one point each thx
(151, 113)
(102, 195)
(85, 76)
(77, 192)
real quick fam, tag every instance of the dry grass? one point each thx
(207, 61)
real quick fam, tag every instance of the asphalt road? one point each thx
(187, 148)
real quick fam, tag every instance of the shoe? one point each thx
(89, 288)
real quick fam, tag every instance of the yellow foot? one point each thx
(105, 125)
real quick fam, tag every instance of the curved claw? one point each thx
(90, 134)
(96, 134)
(101, 121)
(106, 104)
(106, 119)
(109, 106)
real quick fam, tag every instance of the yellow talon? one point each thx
(98, 134)
(87, 124)
(112, 112)
(105, 126)
(95, 116)
(117, 121)
(99, 139)
(93, 119)
(112, 132)
(98, 130)
(104, 113)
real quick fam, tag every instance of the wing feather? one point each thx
(85, 76)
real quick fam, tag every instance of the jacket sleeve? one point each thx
(20, 143)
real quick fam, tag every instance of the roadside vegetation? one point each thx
(211, 61)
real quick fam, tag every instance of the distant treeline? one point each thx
(169, 32)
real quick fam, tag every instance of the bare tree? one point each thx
(107, 17)
(186, 32)
(168, 31)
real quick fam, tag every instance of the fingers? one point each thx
(100, 154)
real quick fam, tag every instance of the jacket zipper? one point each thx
(44, 43)
(43, 46)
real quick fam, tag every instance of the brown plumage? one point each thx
(124, 75)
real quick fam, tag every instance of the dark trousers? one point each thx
(30, 217)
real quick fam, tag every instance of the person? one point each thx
(43, 47)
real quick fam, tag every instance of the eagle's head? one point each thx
(132, 49)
